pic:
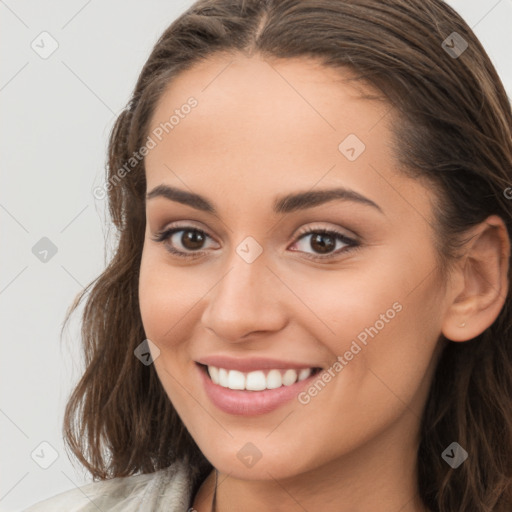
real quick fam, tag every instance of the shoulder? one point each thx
(169, 489)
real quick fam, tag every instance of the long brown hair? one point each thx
(453, 129)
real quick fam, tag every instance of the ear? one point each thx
(480, 286)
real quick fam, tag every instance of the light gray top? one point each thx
(168, 490)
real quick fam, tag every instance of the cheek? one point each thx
(166, 296)
(381, 326)
(341, 306)
(152, 297)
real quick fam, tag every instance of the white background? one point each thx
(56, 117)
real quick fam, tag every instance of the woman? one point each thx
(309, 304)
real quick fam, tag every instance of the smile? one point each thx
(258, 380)
(243, 399)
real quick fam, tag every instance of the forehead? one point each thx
(265, 125)
(248, 90)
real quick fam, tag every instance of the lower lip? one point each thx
(250, 403)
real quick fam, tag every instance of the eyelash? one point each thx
(352, 244)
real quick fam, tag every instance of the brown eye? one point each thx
(189, 244)
(192, 239)
(323, 242)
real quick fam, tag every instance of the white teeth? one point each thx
(223, 378)
(214, 373)
(254, 381)
(289, 377)
(257, 380)
(274, 379)
(236, 380)
(304, 373)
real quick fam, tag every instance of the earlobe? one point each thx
(482, 282)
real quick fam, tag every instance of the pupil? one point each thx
(322, 247)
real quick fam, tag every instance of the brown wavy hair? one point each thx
(453, 128)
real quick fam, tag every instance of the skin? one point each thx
(263, 129)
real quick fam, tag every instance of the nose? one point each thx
(248, 299)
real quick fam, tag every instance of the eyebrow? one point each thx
(284, 204)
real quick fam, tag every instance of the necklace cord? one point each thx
(214, 500)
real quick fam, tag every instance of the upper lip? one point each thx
(251, 364)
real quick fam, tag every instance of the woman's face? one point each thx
(262, 144)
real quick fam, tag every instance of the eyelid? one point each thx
(302, 231)
(321, 227)
(180, 225)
